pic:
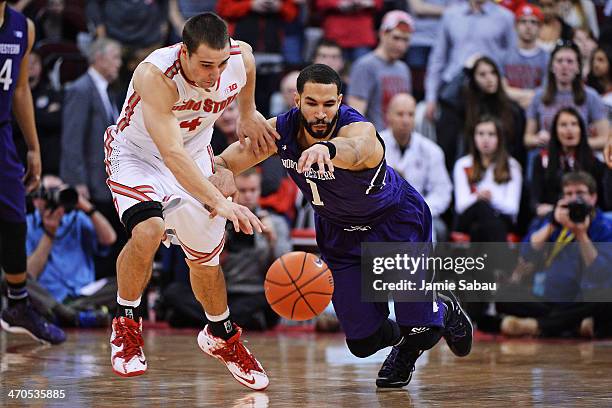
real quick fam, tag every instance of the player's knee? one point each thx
(363, 348)
(144, 220)
(420, 338)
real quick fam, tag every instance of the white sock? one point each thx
(129, 303)
(218, 318)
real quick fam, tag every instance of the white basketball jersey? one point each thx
(196, 109)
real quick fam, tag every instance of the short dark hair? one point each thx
(327, 43)
(579, 177)
(318, 74)
(206, 28)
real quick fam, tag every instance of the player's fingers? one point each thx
(309, 160)
(241, 138)
(245, 223)
(234, 220)
(255, 222)
(330, 165)
(300, 163)
(270, 142)
(321, 164)
(272, 131)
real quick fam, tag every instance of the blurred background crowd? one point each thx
(497, 113)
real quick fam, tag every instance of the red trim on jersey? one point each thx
(202, 257)
(218, 83)
(108, 150)
(129, 111)
(173, 69)
(127, 191)
(212, 158)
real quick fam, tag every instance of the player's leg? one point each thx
(202, 241)
(20, 316)
(137, 192)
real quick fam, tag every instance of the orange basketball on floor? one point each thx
(299, 286)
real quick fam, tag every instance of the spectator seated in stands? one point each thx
(64, 233)
(574, 268)
(244, 261)
(568, 150)
(600, 77)
(417, 159)
(487, 185)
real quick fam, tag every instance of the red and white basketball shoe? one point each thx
(238, 359)
(127, 356)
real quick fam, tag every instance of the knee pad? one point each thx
(13, 258)
(139, 213)
(420, 338)
(388, 334)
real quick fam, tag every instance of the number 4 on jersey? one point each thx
(191, 124)
(5, 74)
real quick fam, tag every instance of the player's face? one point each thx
(319, 104)
(568, 130)
(485, 138)
(528, 28)
(249, 188)
(486, 78)
(601, 65)
(206, 64)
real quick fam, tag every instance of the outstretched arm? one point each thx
(238, 158)
(356, 147)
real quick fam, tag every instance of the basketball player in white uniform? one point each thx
(159, 160)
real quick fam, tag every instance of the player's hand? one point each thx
(32, 176)
(316, 153)
(223, 180)
(608, 153)
(261, 133)
(239, 215)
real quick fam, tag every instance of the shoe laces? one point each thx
(397, 361)
(128, 334)
(454, 326)
(235, 352)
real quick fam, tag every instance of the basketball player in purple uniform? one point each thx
(16, 39)
(337, 160)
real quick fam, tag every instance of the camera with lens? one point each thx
(63, 196)
(578, 210)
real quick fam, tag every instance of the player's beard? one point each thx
(319, 134)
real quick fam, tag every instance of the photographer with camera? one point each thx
(575, 266)
(64, 233)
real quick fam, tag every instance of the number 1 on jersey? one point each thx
(316, 198)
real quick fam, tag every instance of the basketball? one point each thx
(299, 286)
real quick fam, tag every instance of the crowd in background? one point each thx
(484, 108)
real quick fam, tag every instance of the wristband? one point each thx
(47, 233)
(330, 146)
(91, 211)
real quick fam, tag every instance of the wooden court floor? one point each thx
(307, 370)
